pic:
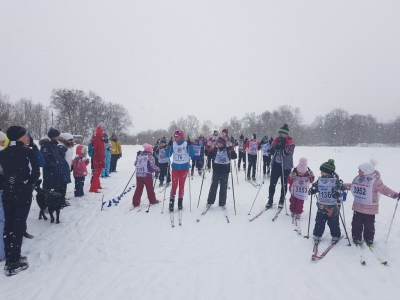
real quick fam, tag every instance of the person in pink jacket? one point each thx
(366, 189)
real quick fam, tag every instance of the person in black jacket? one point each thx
(21, 171)
(221, 170)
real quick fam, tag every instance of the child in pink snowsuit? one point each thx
(299, 181)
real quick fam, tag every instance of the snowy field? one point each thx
(123, 254)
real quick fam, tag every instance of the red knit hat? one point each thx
(99, 131)
(180, 134)
(225, 130)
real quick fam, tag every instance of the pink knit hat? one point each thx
(302, 166)
(148, 148)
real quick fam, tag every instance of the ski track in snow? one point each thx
(122, 254)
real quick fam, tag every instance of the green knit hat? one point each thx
(284, 129)
(328, 167)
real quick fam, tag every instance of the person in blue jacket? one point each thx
(107, 163)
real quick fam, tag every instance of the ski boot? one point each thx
(369, 243)
(171, 205)
(316, 239)
(248, 178)
(180, 203)
(15, 268)
(200, 171)
(269, 204)
(192, 173)
(254, 179)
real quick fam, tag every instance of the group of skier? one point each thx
(277, 165)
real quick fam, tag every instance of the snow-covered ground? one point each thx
(123, 254)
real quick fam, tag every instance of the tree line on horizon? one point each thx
(79, 113)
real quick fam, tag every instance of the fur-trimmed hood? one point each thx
(66, 143)
(44, 139)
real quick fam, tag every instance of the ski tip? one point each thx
(198, 220)
(363, 263)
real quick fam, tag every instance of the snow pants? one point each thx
(198, 164)
(107, 163)
(222, 180)
(266, 164)
(79, 184)
(142, 182)
(252, 165)
(242, 155)
(96, 180)
(363, 223)
(178, 178)
(113, 164)
(330, 214)
(210, 159)
(2, 220)
(14, 227)
(164, 172)
(276, 173)
(296, 205)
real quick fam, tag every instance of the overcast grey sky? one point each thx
(214, 59)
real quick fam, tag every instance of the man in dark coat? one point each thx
(21, 171)
(51, 169)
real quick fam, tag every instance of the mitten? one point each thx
(310, 173)
(396, 196)
(292, 174)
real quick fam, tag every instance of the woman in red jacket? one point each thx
(98, 159)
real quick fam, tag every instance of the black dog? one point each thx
(50, 200)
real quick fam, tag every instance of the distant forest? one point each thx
(79, 113)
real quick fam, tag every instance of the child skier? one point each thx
(242, 153)
(265, 145)
(366, 189)
(145, 166)
(79, 164)
(107, 160)
(198, 158)
(253, 146)
(221, 170)
(182, 153)
(163, 162)
(299, 183)
(328, 209)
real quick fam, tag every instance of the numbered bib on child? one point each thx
(141, 164)
(240, 144)
(299, 188)
(253, 148)
(325, 194)
(197, 150)
(181, 155)
(162, 156)
(264, 149)
(361, 188)
(222, 157)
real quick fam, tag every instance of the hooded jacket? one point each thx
(377, 189)
(80, 162)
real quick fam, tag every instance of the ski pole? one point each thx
(165, 190)
(201, 188)
(127, 184)
(255, 198)
(344, 226)
(237, 177)
(102, 203)
(190, 193)
(309, 220)
(155, 180)
(284, 187)
(233, 188)
(394, 213)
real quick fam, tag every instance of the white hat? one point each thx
(3, 136)
(368, 167)
(66, 136)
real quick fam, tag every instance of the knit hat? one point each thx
(105, 135)
(14, 133)
(328, 167)
(81, 150)
(254, 136)
(99, 131)
(148, 148)
(3, 136)
(265, 137)
(241, 137)
(53, 133)
(368, 167)
(163, 140)
(66, 136)
(221, 140)
(225, 130)
(284, 129)
(302, 166)
(180, 134)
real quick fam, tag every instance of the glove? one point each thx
(292, 174)
(139, 152)
(396, 196)
(310, 173)
(313, 190)
(281, 144)
(170, 142)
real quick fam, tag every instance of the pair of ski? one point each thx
(223, 208)
(254, 183)
(264, 210)
(296, 222)
(373, 250)
(315, 250)
(171, 216)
